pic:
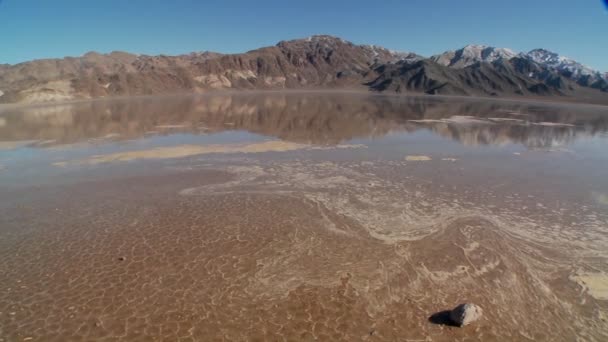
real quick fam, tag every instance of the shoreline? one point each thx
(529, 100)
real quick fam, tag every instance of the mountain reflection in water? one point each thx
(315, 118)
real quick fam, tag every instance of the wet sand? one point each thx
(195, 150)
(315, 242)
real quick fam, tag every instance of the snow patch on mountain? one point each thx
(378, 51)
(568, 67)
(472, 54)
(554, 61)
(487, 53)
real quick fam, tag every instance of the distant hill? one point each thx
(315, 62)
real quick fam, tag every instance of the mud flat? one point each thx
(287, 250)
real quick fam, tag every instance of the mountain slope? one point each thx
(481, 79)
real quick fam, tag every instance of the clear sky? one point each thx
(31, 29)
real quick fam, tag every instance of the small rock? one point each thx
(122, 258)
(465, 314)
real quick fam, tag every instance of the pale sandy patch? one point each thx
(50, 91)
(214, 81)
(596, 284)
(417, 158)
(449, 159)
(190, 150)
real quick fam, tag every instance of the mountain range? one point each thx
(316, 62)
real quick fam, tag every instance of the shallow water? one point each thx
(303, 216)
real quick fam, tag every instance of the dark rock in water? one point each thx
(465, 314)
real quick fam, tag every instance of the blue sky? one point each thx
(31, 29)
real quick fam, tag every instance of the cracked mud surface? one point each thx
(293, 251)
(306, 244)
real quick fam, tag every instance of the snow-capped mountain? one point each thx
(568, 67)
(393, 56)
(564, 64)
(472, 54)
(544, 59)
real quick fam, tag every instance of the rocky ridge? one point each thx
(315, 62)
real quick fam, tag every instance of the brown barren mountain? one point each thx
(312, 63)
